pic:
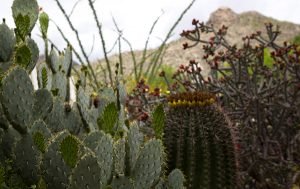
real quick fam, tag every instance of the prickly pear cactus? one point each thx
(27, 158)
(62, 154)
(34, 52)
(122, 183)
(176, 179)
(158, 121)
(44, 76)
(4, 123)
(199, 141)
(17, 98)
(61, 67)
(43, 104)
(103, 149)
(63, 116)
(147, 169)
(135, 141)
(87, 173)
(109, 118)
(26, 7)
(87, 111)
(7, 43)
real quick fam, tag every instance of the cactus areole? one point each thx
(199, 141)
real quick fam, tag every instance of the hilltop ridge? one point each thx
(240, 24)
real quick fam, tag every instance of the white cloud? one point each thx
(135, 18)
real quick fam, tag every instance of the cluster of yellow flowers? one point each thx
(191, 99)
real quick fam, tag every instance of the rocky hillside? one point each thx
(239, 25)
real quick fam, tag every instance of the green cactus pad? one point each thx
(64, 116)
(27, 159)
(43, 103)
(26, 7)
(59, 84)
(17, 98)
(92, 139)
(119, 156)
(40, 134)
(55, 170)
(73, 121)
(108, 93)
(7, 44)
(158, 121)
(3, 120)
(87, 112)
(86, 174)
(122, 183)
(104, 153)
(176, 179)
(66, 61)
(61, 66)
(56, 118)
(54, 60)
(147, 169)
(4, 66)
(109, 118)
(135, 140)
(44, 23)
(39, 141)
(34, 50)
(44, 76)
(122, 93)
(40, 126)
(162, 185)
(69, 150)
(8, 140)
(22, 55)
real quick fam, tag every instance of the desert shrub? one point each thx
(260, 91)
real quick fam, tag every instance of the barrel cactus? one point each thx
(199, 140)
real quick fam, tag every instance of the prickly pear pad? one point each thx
(27, 158)
(26, 7)
(7, 44)
(148, 165)
(17, 98)
(86, 174)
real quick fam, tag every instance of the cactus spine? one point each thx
(199, 141)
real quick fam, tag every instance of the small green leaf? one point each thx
(158, 121)
(69, 150)
(44, 23)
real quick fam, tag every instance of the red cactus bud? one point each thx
(195, 22)
(192, 61)
(185, 46)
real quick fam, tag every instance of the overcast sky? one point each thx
(135, 18)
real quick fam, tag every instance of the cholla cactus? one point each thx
(199, 141)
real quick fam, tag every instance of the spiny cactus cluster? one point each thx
(46, 141)
(199, 141)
